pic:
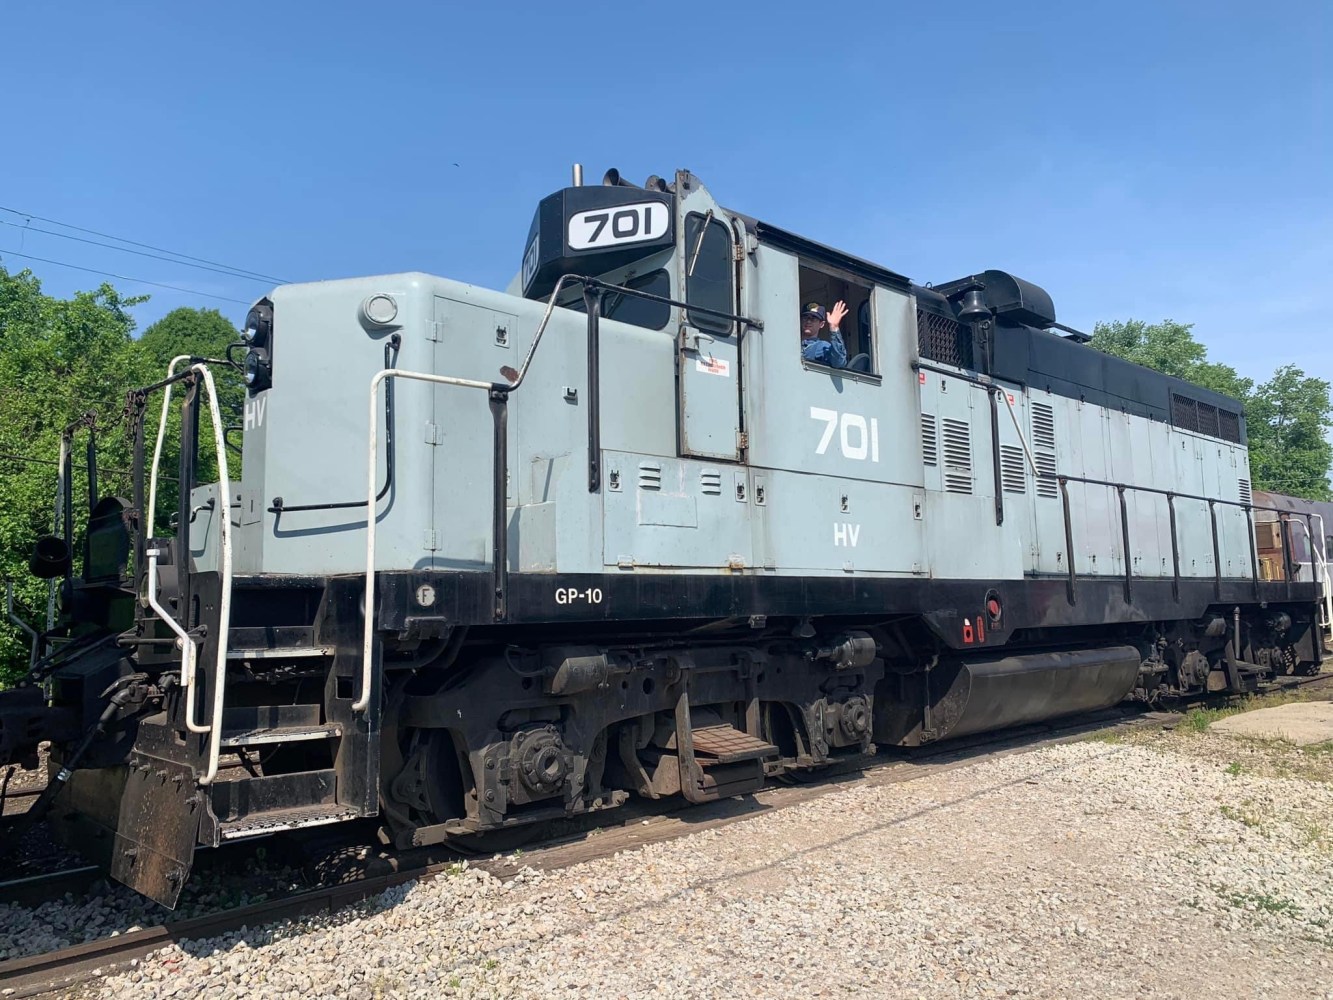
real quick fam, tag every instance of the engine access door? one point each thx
(708, 356)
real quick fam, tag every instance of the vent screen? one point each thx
(710, 481)
(957, 436)
(650, 475)
(1245, 494)
(1205, 418)
(1011, 469)
(940, 338)
(930, 448)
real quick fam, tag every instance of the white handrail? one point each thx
(363, 700)
(188, 649)
(150, 520)
(224, 602)
(182, 639)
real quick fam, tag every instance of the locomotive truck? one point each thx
(497, 557)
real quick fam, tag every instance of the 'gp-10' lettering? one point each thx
(572, 595)
(857, 438)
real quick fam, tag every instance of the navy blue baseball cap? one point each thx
(813, 309)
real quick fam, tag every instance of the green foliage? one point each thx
(1287, 417)
(59, 359)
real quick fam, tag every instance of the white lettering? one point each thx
(846, 534)
(831, 416)
(858, 437)
(856, 422)
(254, 412)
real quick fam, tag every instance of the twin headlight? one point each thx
(258, 335)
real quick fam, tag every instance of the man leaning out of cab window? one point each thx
(814, 345)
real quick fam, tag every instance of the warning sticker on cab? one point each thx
(714, 366)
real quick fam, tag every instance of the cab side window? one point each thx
(823, 288)
(708, 272)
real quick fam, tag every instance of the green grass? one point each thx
(1261, 902)
(1240, 817)
(1235, 767)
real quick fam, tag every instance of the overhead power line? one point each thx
(243, 275)
(146, 246)
(123, 277)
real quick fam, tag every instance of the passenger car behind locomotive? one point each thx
(498, 557)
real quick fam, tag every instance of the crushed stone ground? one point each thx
(1142, 866)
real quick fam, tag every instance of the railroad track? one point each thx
(633, 827)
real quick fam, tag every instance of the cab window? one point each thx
(826, 288)
(632, 309)
(708, 272)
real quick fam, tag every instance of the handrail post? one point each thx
(224, 600)
(1254, 552)
(1175, 548)
(1069, 539)
(1217, 552)
(995, 454)
(592, 302)
(500, 520)
(1124, 542)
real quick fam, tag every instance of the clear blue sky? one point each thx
(1145, 160)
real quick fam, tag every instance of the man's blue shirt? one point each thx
(831, 352)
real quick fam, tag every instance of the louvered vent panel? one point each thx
(1011, 469)
(1047, 485)
(957, 435)
(650, 475)
(710, 481)
(1043, 426)
(930, 440)
(1246, 496)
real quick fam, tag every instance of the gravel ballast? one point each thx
(1093, 869)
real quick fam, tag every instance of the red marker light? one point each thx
(922, 377)
(993, 606)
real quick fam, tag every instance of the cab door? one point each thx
(708, 359)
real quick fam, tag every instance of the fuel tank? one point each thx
(961, 697)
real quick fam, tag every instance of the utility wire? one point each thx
(6, 456)
(122, 277)
(245, 276)
(146, 246)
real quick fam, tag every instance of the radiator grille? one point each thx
(939, 338)
(957, 436)
(1205, 418)
(1012, 475)
(1228, 425)
(930, 441)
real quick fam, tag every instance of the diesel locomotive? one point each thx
(497, 557)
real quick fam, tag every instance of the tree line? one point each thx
(62, 358)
